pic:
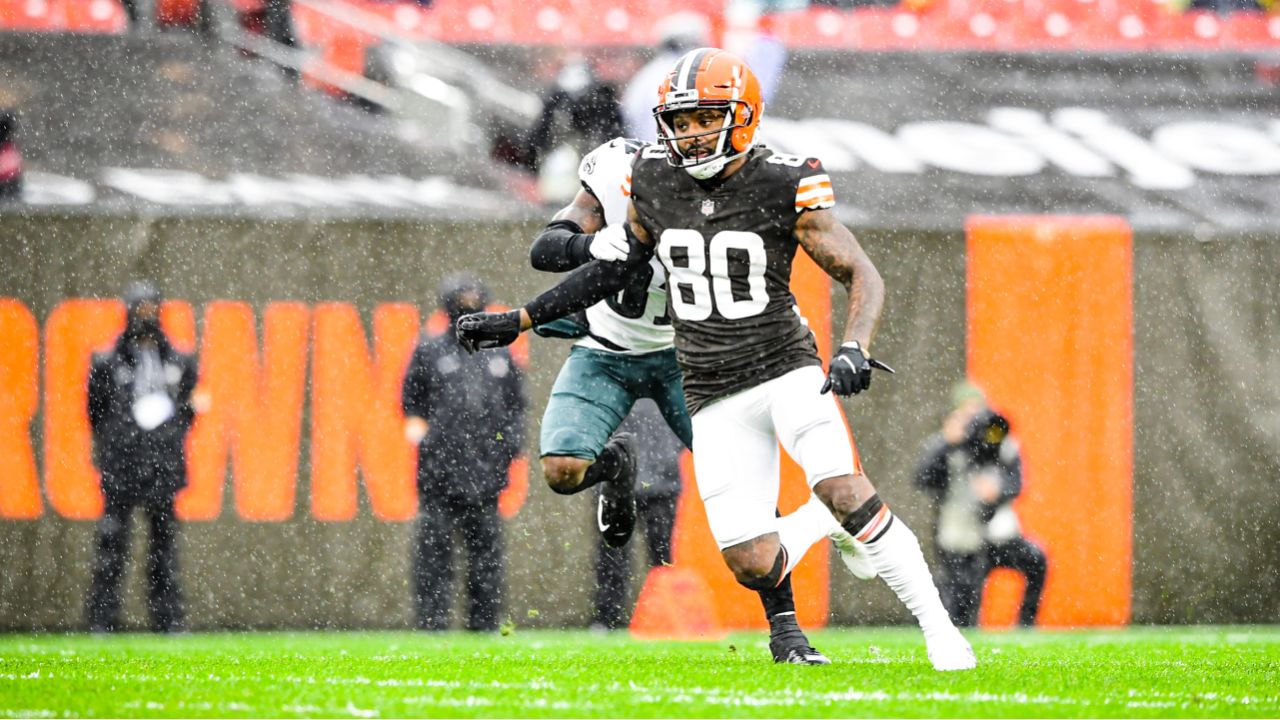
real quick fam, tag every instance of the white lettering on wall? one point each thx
(798, 138)
(879, 149)
(1056, 146)
(1147, 168)
(1219, 148)
(968, 148)
(39, 188)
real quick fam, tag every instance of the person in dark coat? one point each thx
(466, 413)
(973, 469)
(140, 411)
(657, 491)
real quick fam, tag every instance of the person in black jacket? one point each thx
(140, 412)
(973, 469)
(657, 491)
(466, 414)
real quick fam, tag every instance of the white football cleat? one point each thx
(949, 651)
(853, 554)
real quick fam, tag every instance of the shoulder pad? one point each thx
(652, 152)
(612, 156)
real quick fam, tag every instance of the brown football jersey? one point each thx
(727, 246)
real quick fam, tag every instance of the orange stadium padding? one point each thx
(95, 16)
(676, 603)
(19, 396)
(1050, 339)
(694, 548)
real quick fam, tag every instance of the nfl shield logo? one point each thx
(708, 206)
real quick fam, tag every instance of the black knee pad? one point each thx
(858, 519)
(771, 579)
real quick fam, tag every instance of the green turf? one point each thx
(1196, 672)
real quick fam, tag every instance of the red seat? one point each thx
(1127, 32)
(618, 22)
(545, 22)
(1198, 30)
(886, 29)
(469, 21)
(1251, 31)
(30, 15)
(171, 13)
(95, 16)
(816, 28)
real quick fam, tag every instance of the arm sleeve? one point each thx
(931, 473)
(414, 396)
(561, 246)
(583, 288)
(1010, 464)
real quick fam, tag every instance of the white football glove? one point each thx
(610, 244)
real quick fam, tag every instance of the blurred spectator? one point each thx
(140, 412)
(751, 36)
(131, 10)
(678, 33)
(974, 471)
(277, 22)
(657, 489)
(466, 415)
(10, 157)
(578, 109)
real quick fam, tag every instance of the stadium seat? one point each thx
(469, 21)
(1251, 31)
(546, 22)
(40, 15)
(1194, 30)
(815, 28)
(885, 29)
(95, 16)
(618, 22)
(177, 13)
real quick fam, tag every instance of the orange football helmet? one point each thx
(710, 78)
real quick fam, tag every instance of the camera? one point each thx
(983, 436)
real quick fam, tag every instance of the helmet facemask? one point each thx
(737, 115)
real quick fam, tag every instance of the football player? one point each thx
(725, 218)
(624, 352)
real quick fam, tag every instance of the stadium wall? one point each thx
(1206, 441)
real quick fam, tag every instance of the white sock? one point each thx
(798, 531)
(895, 554)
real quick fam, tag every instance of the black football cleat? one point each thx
(789, 645)
(797, 654)
(616, 508)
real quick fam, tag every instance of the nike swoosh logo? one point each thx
(600, 523)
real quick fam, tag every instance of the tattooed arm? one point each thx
(837, 252)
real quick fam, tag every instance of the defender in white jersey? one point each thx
(624, 353)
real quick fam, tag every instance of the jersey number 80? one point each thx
(704, 271)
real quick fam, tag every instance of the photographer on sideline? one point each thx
(974, 471)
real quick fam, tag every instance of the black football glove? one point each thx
(850, 371)
(485, 330)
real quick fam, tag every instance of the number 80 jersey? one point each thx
(727, 246)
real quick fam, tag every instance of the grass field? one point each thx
(1196, 672)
